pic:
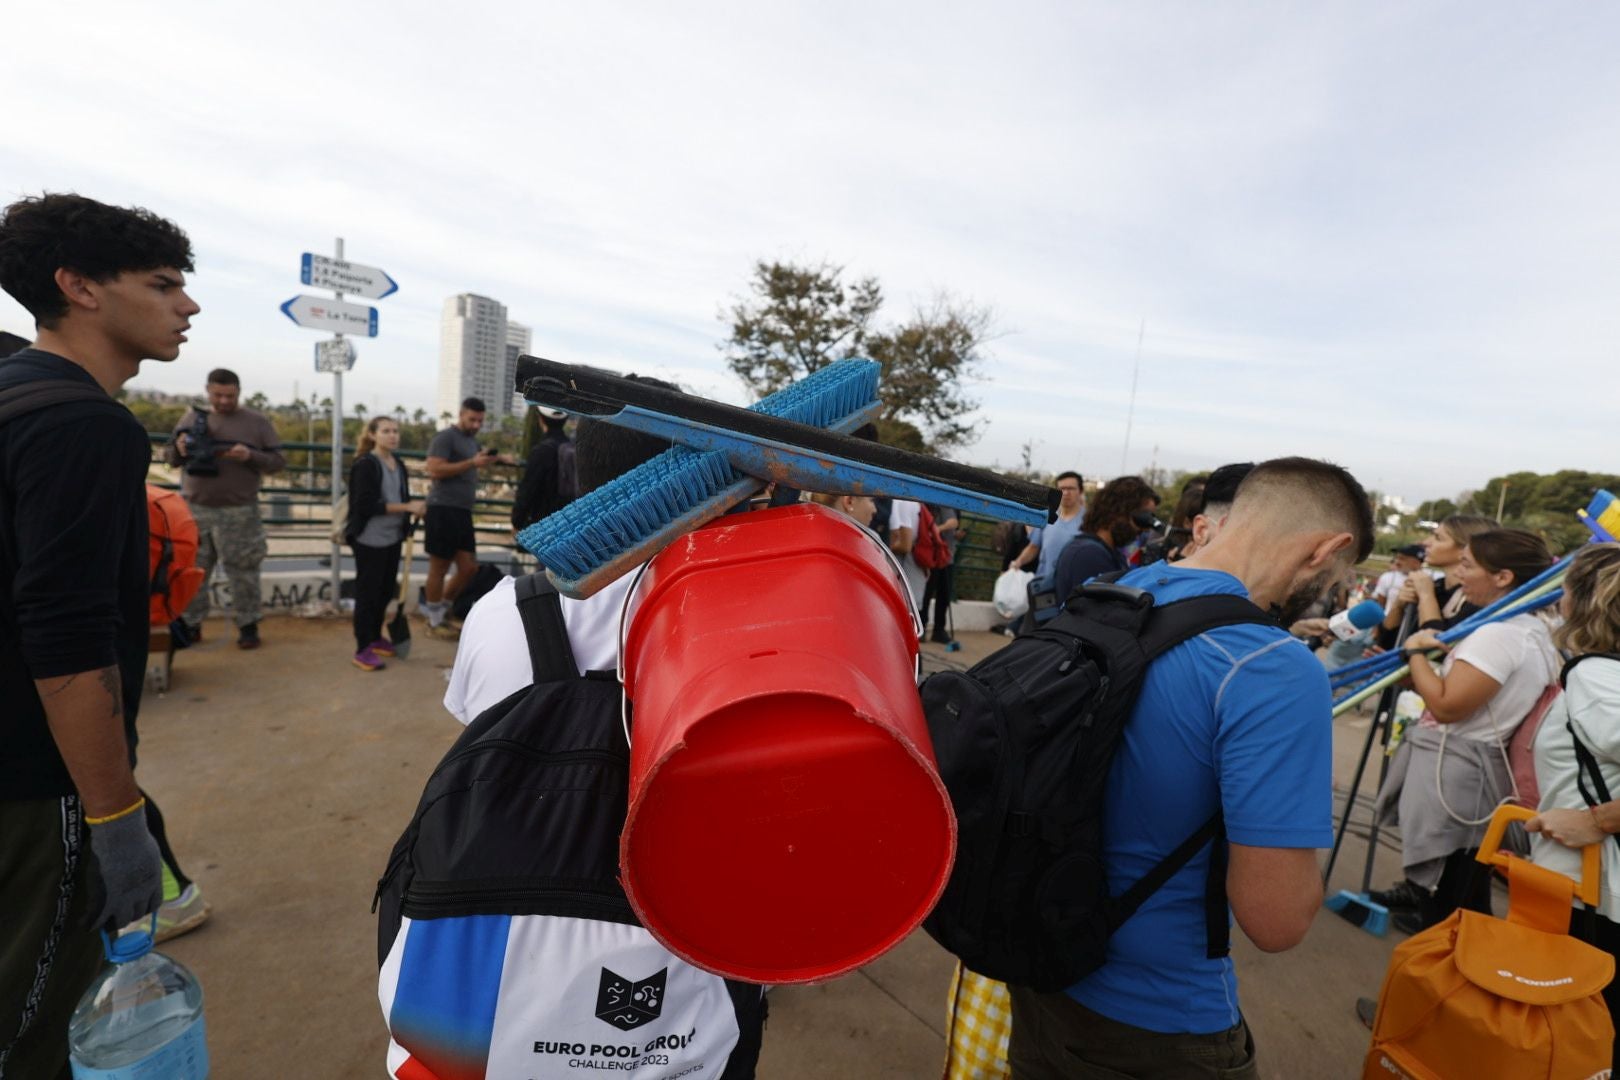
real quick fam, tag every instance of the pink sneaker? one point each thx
(382, 647)
(367, 660)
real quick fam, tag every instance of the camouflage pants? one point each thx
(233, 536)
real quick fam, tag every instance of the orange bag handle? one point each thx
(1587, 889)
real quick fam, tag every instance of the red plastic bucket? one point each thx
(787, 822)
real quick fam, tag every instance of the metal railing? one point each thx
(296, 503)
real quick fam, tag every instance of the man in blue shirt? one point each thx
(1237, 720)
(1047, 542)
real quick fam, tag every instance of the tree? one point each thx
(258, 401)
(799, 320)
(925, 362)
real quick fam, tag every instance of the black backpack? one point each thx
(1024, 742)
(522, 818)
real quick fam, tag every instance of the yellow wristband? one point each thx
(125, 812)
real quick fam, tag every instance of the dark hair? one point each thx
(39, 236)
(1222, 486)
(1066, 476)
(1190, 503)
(473, 403)
(604, 451)
(1320, 485)
(224, 377)
(1523, 554)
(1109, 512)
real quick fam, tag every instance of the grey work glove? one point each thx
(130, 868)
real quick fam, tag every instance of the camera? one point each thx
(200, 447)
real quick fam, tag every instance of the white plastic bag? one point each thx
(1011, 595)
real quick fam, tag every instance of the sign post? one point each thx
(337, 453)
(336, 355)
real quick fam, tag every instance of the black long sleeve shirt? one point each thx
(74, 560)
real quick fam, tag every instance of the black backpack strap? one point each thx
(1598, 793)
(550, 656)
(1168, 625)
(30, 397)
(1569, 665)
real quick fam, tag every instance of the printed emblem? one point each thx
(627, 1005)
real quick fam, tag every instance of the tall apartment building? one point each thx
(473, 355)
(518, 338)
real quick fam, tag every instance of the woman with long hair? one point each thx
(1439, 603)
(1451, 770)
(1578, 747)
(380, 508)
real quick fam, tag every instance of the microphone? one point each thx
(1364, 616)
(1148, 521)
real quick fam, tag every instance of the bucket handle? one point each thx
(905, 591)
(624, 622)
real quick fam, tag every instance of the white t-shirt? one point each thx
(904, 514)
(1591, 702)
(1389, 583)
(492, 659)
(1517, 653)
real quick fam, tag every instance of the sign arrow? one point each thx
(325, 272)
(319, 314)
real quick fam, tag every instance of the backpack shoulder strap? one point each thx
(550, 656)
(1569, 665)
(1168, 625)
(1171, 624)
(30, 397)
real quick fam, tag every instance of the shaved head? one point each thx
(1300, 495)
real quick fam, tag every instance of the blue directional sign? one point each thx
(320, 314)
(325, 272)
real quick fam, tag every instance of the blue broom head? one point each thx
(630, 510)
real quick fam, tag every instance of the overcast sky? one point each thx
(1383, 233)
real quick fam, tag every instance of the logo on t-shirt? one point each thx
(626, 1004)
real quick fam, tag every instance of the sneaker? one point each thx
(367, 660)
(444, 632)
(940, 637)
(382, 647)
(179, 916)
(1405, 896)
(248, 636)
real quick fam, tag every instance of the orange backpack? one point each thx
(175, 575)
(1482, 998)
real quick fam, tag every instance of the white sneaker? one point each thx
(179, 916)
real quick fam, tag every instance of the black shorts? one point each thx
(449, 530)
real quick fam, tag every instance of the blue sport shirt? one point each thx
(1238, 718)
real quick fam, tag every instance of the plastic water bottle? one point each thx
(142, 1019)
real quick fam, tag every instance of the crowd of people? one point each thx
(1233, 725)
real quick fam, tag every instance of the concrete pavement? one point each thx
(286, 775)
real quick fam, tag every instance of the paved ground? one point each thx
(287, 774)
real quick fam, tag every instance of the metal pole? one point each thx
(337, 461)
(1130, 414)
(1501, 501)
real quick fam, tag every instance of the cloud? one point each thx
(1380, 233)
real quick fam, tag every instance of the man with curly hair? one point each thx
(107, 290)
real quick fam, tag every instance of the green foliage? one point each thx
(798, 319)
(1543, 503)
(924, 362)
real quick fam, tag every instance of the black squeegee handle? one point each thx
(591, 392)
